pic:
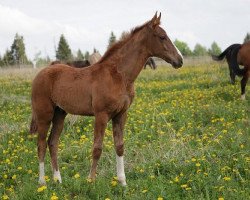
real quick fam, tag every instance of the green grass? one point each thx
(187, 137)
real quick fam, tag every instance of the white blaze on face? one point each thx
(178, 51)
(120, 170)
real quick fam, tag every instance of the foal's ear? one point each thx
(155, 21)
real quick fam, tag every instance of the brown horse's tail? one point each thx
(33, 125)
(231, 53)
(226, 52)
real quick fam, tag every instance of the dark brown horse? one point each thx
(237, 54)
(105, 90)
(77, 63)
(151, 63)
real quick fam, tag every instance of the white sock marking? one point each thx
(120, 170)
(41, 174)
(57, 176)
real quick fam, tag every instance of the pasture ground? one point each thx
(187, 137)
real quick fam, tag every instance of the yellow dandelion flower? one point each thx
(4, 197)
(29, 171)
(226, 178)
(42, 188)
(159, 198)
(184, 186)
(197, 164)
(144, 191)
(176, 179)
(77, 175)
(152, 176)
(5, 176)
(19, 168)
(107, 198)
(220, 198)
(114, 183)
(14, 177)
(53, 197)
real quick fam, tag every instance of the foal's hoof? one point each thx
(42, 181)
(243, 97)
(57, 176)
(122, 181)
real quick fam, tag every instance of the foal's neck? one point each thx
(130, 59)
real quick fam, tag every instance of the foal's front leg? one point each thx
(101, 121)
(118, 126)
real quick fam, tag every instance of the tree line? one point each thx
(16, 55)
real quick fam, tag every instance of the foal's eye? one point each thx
(162, 37)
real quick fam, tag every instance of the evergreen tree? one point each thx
(183, 48)
(63, 52)
(79, 55)
(247, 38)
(199, 50)
(8, 58)
(18, 51)
(86, 55)
(1, 62)
(112, 39)
(215, 49)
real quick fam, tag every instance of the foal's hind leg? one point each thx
(57, 126)
(44, 117)
(243, 86)
(118, 126)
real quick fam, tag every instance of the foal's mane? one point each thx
(117, 45)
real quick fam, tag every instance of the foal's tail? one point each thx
(231, 52)
(33, 125)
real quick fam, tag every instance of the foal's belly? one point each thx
(73, 102)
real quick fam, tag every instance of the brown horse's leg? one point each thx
(118, 126)
(53, 140)
(243, 86)
(101, 121)
(41, 147)
(44, 113)
(232, 76)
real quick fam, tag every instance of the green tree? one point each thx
(79, 55)
(1, 61)
(112, 39)
(86, 55)
(183, 48)
(17, 51)
(214, 49)
(8, 58)
(199, 50)
(63, 52)
(247, 38)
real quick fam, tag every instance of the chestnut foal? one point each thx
(105, 90)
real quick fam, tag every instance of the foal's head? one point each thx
(160, 45)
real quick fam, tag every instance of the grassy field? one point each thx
(187, 137)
